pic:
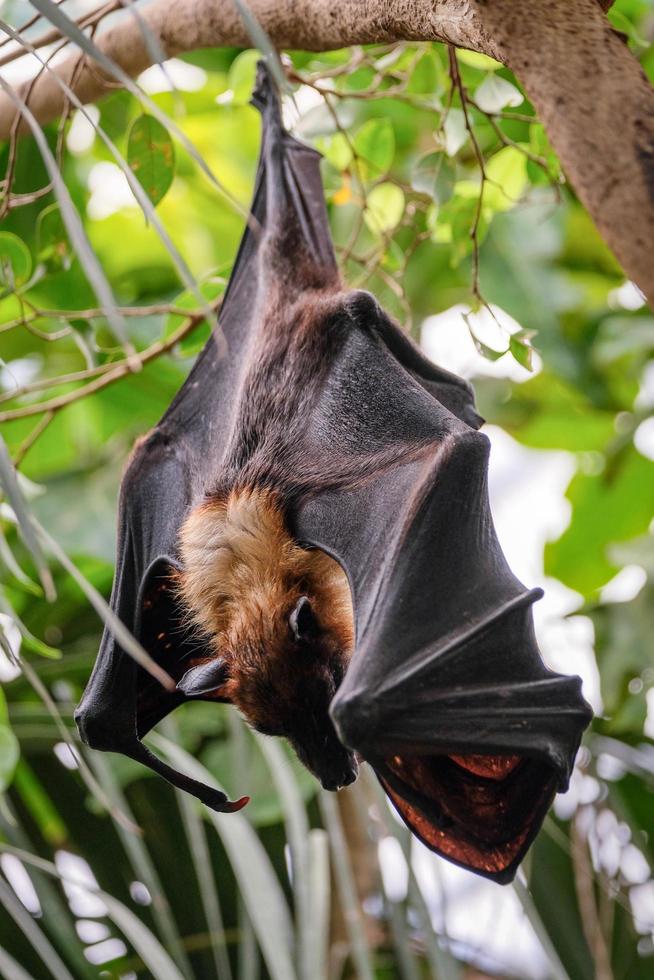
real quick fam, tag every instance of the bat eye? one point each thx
(302, 620)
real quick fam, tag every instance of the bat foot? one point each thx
(235, 806)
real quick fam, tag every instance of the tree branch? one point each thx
(590, 92)
(313, 25)
(102, 377)
(597, 107)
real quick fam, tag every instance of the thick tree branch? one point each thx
(312, 25)
(595, 102)
(597, 107)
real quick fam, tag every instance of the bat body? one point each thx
(306, 534)
(276, 616)
(277, 622)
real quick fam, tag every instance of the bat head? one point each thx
(285, 688)
(279, 620)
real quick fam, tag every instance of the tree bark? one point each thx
(597, 107)
(596, 104)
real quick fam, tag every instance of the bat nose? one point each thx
(344, 777)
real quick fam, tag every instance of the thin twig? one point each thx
(29, 23)
(118, 371)
(507, 141)
(27, 443)
(8, 179)
(608, 885)
(474, 231)
(88, 373)
(155, 309)
(590, 923)
(88, 19)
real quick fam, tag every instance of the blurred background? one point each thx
(497, 271)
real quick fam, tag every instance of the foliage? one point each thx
(442, 189)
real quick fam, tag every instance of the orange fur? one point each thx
(243, 574)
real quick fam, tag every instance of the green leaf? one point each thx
(540, 146)
(552, 886)
(337, 150)
(194, 342)
(622, 23)
(151, 155)
(9, 756)
(11, 968)
(547, 413)
(623, 642)
(242, 74)
(10, 482)
(15, 260)
(454, 224)
(623, 337)
(259, 886)
(144, 941)
(297, 835)
(53, 244)
(4, 711)
(320, 891)
(631, 796)
(522, 350)
(265, 808)
(9, 748)
(344, 877)
(393, 258)
(495, 94)
(475, 60)
(426, 77)
(455, 131)
(488, 352)
(39, 806)
(384, 207)
(375, 144)
(435, 175)
(42, 649)
(546, 939)
(608, 507)
(506, 174)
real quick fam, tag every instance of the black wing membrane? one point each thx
(171, 467)
(446, 695)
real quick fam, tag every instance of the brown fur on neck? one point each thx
(243, 574)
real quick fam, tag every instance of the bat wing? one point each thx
(172, 466)
(446, 694)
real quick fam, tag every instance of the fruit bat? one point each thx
(306, 534)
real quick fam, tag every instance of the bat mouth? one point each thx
(480, 811)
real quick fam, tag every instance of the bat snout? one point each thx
(331, 763)
(344, 775)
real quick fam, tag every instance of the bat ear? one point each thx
(302, 620)
(204, 678)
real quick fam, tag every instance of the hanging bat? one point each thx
(306, 535)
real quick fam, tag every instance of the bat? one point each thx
(306, 535)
